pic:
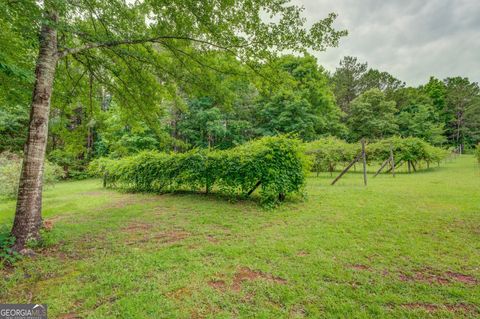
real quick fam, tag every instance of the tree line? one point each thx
(292, 94)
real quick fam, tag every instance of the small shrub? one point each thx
(7, 255)
(10, 168)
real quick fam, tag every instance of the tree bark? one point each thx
(28, 219)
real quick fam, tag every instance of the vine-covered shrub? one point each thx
(327, 153)
(275, 164)
(405, 149)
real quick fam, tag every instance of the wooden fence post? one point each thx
(392, 160)
(357, 158)
(364, 156)
(381, 167)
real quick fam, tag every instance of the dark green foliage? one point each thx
(276, 163)
(353, 78)
(13, 125)
(302, 104)
(7, 255)
(418, 116)
(372, 116)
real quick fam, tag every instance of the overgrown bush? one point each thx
(274, 164)
(327, 153)
(330, 152)
(405, 149)
(10, 168)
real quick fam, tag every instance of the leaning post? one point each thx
(392, 160)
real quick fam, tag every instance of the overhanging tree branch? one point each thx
(113, 43)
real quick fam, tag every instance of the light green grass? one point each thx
(345, 252)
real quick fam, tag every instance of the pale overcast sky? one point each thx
(411, 39)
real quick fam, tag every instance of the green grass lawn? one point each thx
(400, 248)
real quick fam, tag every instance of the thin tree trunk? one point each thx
(28, 219)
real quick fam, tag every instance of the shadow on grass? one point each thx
(215, 195)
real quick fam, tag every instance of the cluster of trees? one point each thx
(376, 104)
(291, 94)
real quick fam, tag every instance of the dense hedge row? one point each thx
(406, 149)
(274, 164)
(327, 153)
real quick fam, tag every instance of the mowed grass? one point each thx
(404, 247)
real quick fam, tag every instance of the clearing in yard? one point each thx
(404, 247)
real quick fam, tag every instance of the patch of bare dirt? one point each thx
(429, 276)
(217, 284)
(170, 237)
(69, 316)
(56, 252)
(48, 224)
(302, 253)
(247, 274)
(180, 293)
(360, 267)
(466, 279)
(425, 277)
(462, 307)
(298, 312)
(419, 305)
(136, 226)
(212, 239)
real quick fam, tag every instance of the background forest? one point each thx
(128, 103)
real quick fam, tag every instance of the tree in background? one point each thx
(302, 103)
(136, 49)
(347, 81)
(384, 81)
(353, 78)
(462, 98)
(372, 116)
(436, 90)
(417, 116)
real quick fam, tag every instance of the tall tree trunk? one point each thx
(28, 219)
